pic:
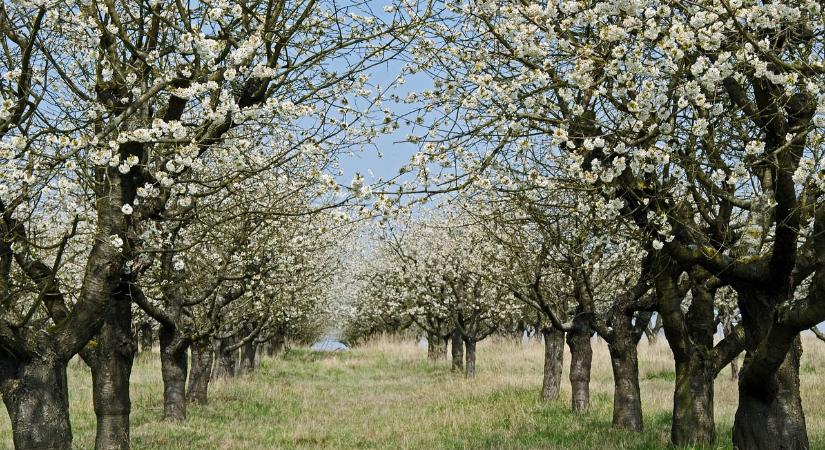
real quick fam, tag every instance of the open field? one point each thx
(386, 395)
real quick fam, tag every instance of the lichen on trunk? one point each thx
(35, 393)
(627, 402)
(110, 360)
(201, 372)
(581, 357)
(173, 362)
(553, 360)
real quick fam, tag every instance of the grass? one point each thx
(386, 395)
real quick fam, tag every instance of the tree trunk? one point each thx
(268, 349)
(436, 348)
(199, 376)
(173, 365)
(224, 359)
(248, 353)
(734, 369)
(772, 417)
(36, 396)
(581, 357)
(277, 345)
(627, 401)
(111, 363)
(147, 338)
(693, 421)
(553, 360)
(470, 363)
(690, 337)
(769, 415)
(457, 350)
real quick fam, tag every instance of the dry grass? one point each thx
(385, 395)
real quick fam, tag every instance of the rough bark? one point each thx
(173, 364)
(110, 360)
(201, 373)
(627, 402)
(581, 357)
(553, 360)
(436, 347)
(690, 337)
(693, 421)
(457, 350)
(769, 415)
(36, 397)
(470, 362)
(225, 359)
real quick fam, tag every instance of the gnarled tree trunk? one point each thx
(36, 396)
(111, 363)
(581, 357)
(553, 359)
(693, 422)
(225, 359)
(201, 373)
(457, 350)
(173, 366)
(627, 401)
(690, 337)
(770, 414)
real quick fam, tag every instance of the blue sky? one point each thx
(393, 148)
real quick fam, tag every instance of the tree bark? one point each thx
(734, 369)
(199, 376)
(225, 359)
(147, 338)
(470, 363)
(553, 360)
(267, 349)
(173, 364)
(581, 357)
(772, 417)
(436, 347)
(627, 401)
(36, 396)
(693, 421)
(769, 415)
(248, 353)
(457, 350)
(111, 361)
(690, 337)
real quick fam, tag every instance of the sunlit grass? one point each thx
(386, 395)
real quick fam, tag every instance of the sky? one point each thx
(394, 151)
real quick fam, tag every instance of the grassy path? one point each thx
(386, 395)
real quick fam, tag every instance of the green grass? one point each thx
(386, 395)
